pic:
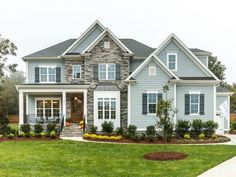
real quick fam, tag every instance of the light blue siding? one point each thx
(147, 83)
(219, 101)
(87, 40)
(36, 63)
(203, 59)
(207, 90)
(185, 66)
(134, 64)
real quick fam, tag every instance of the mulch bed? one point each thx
(232, 131)
(164, 156)
(220, 139)
(4, 139)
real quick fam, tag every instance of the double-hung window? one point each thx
(172, 61)
(47, 107)
(76, 71)
(152, 102)
(106, 108)
(47, 74)
(194, 103)
(107, 71)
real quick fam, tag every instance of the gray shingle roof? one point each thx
(53, 51)
(222, 89)
(196, 50)
(107, 87)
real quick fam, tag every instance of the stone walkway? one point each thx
(224, 169)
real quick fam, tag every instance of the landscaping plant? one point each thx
(151, 130)
(38, 128)
(197, 127)
(26, 129)
(119, 131)
(182, 127)
(93, 129)
(187, 136)
(201, 136)
(209, 128)
(53, 134)
(107, 127)
(164, 115)
(51, 127)
(131, 131)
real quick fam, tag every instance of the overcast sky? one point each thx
(204, 24)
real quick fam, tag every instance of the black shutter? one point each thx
(202, 104)
(144, 103)
(58, 74)
(187, 104)
(118, 72)
(159, 96)
(36, 70)
(95, 72)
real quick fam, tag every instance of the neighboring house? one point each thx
(99, 77)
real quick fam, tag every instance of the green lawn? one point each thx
(68, 158)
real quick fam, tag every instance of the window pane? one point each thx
(48, 113)
(172, 58)
(43, 70)
(113, 114)
(76, 71)
(152, 97)
(47, 103)
(100, 114)
(43, 78)
(56, 112)
(39, 103)
(39, 112)
(52, 78)
(172, 66)
(102, 67)
(102, 75)
(52, 70)
(111, 75)
(111, 67)
(152, 108)
(55, 103)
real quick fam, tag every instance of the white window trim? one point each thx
(54, 67)
(156, 92)
(47, 98)
(176, 59)
(152, 67)
(74, 72)
(107, 65)
(110, 99)
(194, 114)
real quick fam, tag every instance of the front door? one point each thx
(77, 108)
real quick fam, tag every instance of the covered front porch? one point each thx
(52, 103)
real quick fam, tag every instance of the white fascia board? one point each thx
(83, 34)
(193, 57)
(158, 61)
(40, 58)
(224, 93)
(111, 35)
(207, 82)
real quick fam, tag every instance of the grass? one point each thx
(68, 158)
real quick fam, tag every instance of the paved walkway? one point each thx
(224, 169)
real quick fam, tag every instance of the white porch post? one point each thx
(85, 106)
(21, 108)
(64, 105)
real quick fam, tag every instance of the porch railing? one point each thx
(33, 119)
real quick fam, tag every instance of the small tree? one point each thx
(165, 114)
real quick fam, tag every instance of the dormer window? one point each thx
(106, 44)
(152, 71)
(172, 61)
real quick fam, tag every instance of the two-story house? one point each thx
(99, 77)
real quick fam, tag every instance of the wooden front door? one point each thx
(77, 105)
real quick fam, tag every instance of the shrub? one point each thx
(187, 136)
(201, 136)
(38, 128)
(26, 129)
(53, 134)
(43, 134)
(4, 128)
(131, 131)
(182, 127)
(32, 134)
(233, 125)
(214, 136)
(143, 136)
(51, 127)
(197, 127)
(21, 134)
(151, 138)
(151, 130)
(209, 128)
(107, 127)
(93, 129)
(10, 136)
(102, 137)
(119, 131)
(136, 137)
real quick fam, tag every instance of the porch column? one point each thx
(64, 105)
(21, 108)
(85, 106)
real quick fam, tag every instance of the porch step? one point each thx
(72, 131)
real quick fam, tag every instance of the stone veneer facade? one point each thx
(101, 55)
